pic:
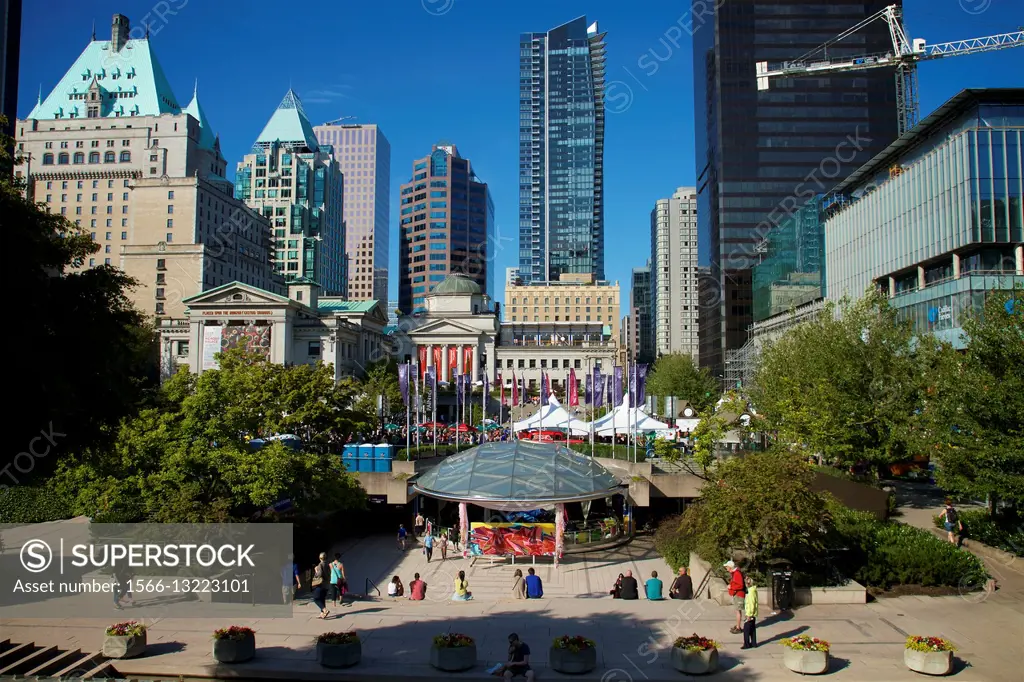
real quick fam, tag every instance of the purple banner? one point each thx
(403, 382)
(598, 387)
(588, 390)
(617, 390)
(431, 381)
(641, 383)
(458, 389)
(543, 390)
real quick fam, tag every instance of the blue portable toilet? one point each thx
(385, 453)
(366, 457)
(349, 457)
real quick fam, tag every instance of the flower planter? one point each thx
(124, 646)
(572, 662)
(695, 662)
(929, 662)
(339, 655)
(806, 662)
(453, 659)
(234, 650)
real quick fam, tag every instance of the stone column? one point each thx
(892, 287)
(1018, 256)
(920, 277)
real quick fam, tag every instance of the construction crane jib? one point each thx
(903, 57)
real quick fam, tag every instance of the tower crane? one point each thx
(338, 120)
(903, 57)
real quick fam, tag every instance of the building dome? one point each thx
(457, 283)
(518, 474)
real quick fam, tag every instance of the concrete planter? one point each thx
(454, 659)
(339, 655)
(695, 662)
(572, 662)
(124, 646)
(806, 662)
(234, 650)
(929, 662)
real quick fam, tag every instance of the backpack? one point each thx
(951, 516)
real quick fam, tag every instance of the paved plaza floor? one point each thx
(633, 638)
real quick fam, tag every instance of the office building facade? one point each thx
(936, 221)
(791, 263)
(641, 306)
(761, 155)
(574, 299)
(294, 181)
(446, 225)
(561, 152)
(363, 154)
(111, 149)
(673, 267)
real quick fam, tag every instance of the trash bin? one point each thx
(782, 590)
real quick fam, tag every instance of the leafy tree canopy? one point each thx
(187, 460)
(381, 380)
(676, 375)
(91, 354)
(847, 385)
(974, 410)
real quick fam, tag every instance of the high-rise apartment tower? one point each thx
(674, 298)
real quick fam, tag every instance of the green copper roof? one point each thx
(347, 306)
(288, 126)
(457, 283)
(207, 138)
(134, 73)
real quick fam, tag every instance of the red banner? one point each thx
(437, 362)
(422, 354)
(573, 390)
(501, 383)
(515, 390)
(453, 358)
(467, 361)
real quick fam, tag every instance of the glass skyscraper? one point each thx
(761, 155)
(561, 152)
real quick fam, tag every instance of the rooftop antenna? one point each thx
(147, 30)
(94, 29)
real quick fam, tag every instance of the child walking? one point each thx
(750, 610)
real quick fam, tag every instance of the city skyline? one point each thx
(650, 82)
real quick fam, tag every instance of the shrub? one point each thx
(574, 644)
(235, 632)
(425, 451)
(129, 628)
(928, 644)
(1005, 532)
(337, 637)
(806, 643)
(452, 640)
(695, 643)
(27, 504)
(610, 452)
(675, 538)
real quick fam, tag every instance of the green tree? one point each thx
(763, 506)
(846, 385)
(381, 380)
(676, 375)
(975, 405)
(91, 353)
(188, 460)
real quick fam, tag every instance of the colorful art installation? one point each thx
(518, 539)
(252, 337)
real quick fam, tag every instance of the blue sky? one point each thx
(426, 70)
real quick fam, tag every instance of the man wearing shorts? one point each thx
(518, 659)
(738, 593)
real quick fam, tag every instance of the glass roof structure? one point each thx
(518, 474)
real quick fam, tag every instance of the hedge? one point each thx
(1005, 531)
(608, 451)
(26, 504)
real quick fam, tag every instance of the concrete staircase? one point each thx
(494, 581)
(32, 662)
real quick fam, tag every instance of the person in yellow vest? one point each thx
(750, 611)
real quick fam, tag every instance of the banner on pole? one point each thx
(588, 390)
(437, 363)
(641, 384)
(617, 388)
(422, 352)
(403, 382)
(453, 357)
(515, 390)
(573, 389)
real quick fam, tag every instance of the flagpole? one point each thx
(408, 414)
(569, 402)
(433, 406)
(593, 392)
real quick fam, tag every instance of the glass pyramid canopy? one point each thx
(518, 473)
(289, 126)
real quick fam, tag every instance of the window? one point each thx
(159, 308)
(161, 264)
(170, 238)
(62, 160)
(160, 293)
(124, 235)
(170, 223)
(108, 157)
(182, 349)
(126, 157)
(170, 209)
(94, 157)
(48, 159)
(314, 349)
(170, 194)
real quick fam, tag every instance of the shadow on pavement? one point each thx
(784, 635)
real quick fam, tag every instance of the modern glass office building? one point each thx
(936, 219)
(561, 152)
(761, 155)
(789, 273)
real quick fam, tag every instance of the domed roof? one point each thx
(518, 474)
(457, 283)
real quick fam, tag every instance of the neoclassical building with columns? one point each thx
(300, 328)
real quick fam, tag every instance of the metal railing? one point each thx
(368, 585)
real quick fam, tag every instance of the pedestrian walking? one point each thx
(443, 541)
(428, 546)
(338, 583)
(737, 592)
(402, 533)
(951, 521)
(321, 576)
(419, 525)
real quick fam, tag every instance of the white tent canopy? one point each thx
(624, 420)
(553, 416)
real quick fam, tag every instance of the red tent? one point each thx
(463, 428)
